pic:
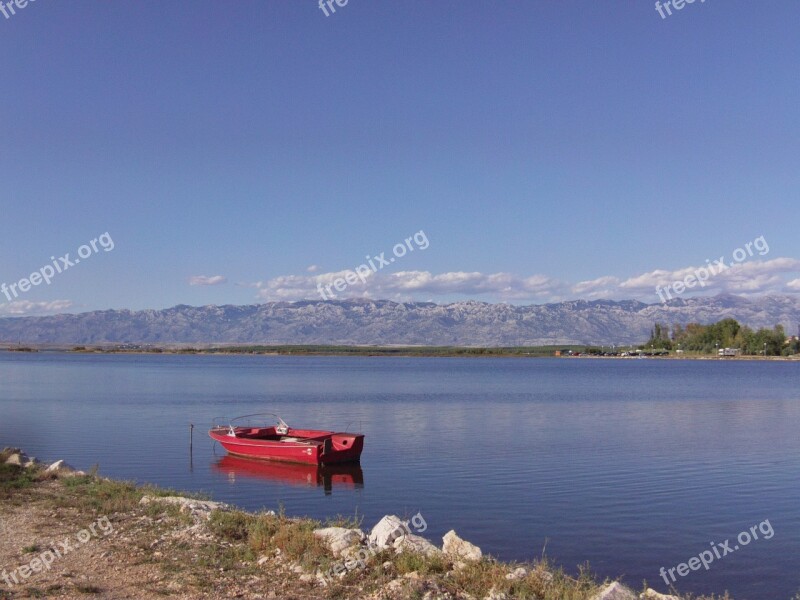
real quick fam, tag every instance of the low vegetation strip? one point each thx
(322, 350)
(165, 544)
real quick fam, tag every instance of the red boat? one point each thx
(284, 443)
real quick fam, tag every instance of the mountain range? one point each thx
(383, 322)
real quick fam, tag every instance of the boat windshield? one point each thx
(261, 420)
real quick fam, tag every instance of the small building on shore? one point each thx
(729, 351)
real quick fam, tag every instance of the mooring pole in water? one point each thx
(191, 454)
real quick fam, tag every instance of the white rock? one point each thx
(651, 594)
(60, 467)
(339, 539)
(456, 547)
(518, 573)
(614, 591)
(415, 543)
(388, 529)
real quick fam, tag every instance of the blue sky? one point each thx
(250, 151)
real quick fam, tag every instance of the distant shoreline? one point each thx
(372, 351)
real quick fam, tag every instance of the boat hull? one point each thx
(296, 446)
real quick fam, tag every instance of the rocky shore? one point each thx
(68, 534)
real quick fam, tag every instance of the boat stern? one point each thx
(342, 447)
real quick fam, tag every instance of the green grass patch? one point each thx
(231, 526)
(101, 495)
(93, 493)
(264, 533)
(353, 522)
(14, 478)
(296, 540)
(542, 581)
(409, 562)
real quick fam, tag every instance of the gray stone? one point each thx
(339, 539)
(415, 543)
(17, 458)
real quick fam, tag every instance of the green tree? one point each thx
(659, 338)
(727, 333)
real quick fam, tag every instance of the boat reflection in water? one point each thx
(342, 475)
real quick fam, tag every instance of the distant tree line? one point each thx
(727, 333)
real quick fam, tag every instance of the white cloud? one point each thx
(24, 308)
(409, 285)
(313, 268)
(207, 280)
(602, 287)
(751, 277)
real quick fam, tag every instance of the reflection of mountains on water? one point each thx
(343, 475)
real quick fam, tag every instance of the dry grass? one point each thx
(265, 533)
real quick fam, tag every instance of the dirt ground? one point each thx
(129, 554)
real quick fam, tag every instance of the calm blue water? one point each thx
(629, 465)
